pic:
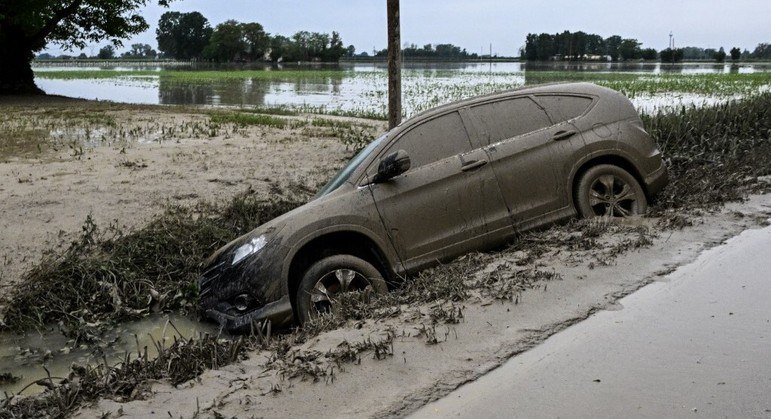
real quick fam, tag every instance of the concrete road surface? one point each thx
(696, 344)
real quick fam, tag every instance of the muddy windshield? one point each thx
(343, 175)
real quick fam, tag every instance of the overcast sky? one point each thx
(475, 24)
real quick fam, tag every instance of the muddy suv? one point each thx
(460, 177)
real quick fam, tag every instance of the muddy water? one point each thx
(696, 344)
(24, 357)
(361, 89)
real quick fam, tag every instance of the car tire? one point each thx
(330, 276)
(606, 190)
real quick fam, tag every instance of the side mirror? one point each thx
(391, 166)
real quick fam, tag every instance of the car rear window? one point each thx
(562, 108)
(509, 118)
(434, 140)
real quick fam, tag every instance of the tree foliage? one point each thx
(670, 55)
(736, 53)
(27, 26)
(583, 46)
(183, 35)
(140, 51)
(762, 51)
(434, 52)
(720, 55)
(227, 43)
(107, 52)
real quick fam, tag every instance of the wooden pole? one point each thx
(394, 66)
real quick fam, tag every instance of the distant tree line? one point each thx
(431, 52)
(583, 46)
(188, 36)
(574, 46)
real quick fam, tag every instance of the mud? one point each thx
(429, 360)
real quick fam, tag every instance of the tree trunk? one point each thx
(16, 55)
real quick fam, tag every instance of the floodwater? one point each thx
(697, 344)
(24, 356)
(361, 88)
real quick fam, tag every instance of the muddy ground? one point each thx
(123, 164)
(424, 360)
(398, 360)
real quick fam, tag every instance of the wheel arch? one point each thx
(351, 242)
(606, 158)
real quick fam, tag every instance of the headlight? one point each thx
(249, 248)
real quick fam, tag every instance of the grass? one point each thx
(716, 153)
(248, 119)
(107, 275)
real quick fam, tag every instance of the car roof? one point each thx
(581, 88)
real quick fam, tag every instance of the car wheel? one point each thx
(609, 191)
(331, 276)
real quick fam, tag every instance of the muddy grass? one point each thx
(709, 165)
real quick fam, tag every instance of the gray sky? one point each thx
(474, 24)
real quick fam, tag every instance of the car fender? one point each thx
(618, 151)
(328, 228)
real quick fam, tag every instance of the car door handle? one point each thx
(563, 135)
(473, 164)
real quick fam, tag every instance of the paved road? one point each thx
(697, 344)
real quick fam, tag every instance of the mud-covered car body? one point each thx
(480, 171)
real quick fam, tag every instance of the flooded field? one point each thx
(360, 89)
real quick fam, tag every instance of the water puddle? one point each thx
(25, 358)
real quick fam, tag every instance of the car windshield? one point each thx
(343, 175)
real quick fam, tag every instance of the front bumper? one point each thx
(279, 313)
(656, 181)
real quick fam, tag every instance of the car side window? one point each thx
(509, 118)
(562, 108)
(433, 140)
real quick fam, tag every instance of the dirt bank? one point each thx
(424, 359)
(63, 159)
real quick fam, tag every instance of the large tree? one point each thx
(27, 26)
(226, 43)
(183, 35)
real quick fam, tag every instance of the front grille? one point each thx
(204, 284)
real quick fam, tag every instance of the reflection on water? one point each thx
(23, 356)
(361, 88)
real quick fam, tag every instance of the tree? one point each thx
(279, 45)
(612, 47)
(28, 26)
(139, 51)
(226, 43)
(648, 54)
(183, 35)
(762, 51)
(720, 55)
(350, 51)
(629, 49)
(256, 40)
(736, 53)
(670, 56)
(107, 52)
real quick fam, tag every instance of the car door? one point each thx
(438, 208)
(565, 113)
(520, 138)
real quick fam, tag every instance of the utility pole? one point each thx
(394, 66)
